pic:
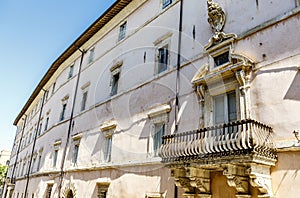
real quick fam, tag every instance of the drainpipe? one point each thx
(178, 67)
(17, 155)
(34, 142)
(61, 175)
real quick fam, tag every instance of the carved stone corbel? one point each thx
(260, 178)
(202, 184)
(236, 178)
(201, 92)
(200, 179)
(185, 184)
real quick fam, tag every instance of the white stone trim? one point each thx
(57, 144)
(85, 86)
(107, 125)
(163, 109)
(155, 195)
(76, 138)
(162, 38)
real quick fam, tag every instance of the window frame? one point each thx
(162, 59)
(75, 151)
(163, 42)
(55, 156)
(46, 124)
(226, 110)
(84, 100)
(91, 55)
(63, 112)
(49, 190)
(71, 71)
(114, 84)
(108, 128)
(102, 189)
(158, 133)
(157, 116)
(53, 88)
(107, 148)
(122, 31)
(75, 154)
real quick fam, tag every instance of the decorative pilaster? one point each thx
(260, 178)
(243, 78)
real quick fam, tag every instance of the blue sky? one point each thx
(33, 34)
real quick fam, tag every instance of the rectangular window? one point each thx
(221, 59)
(107, 151)
(29, 138)
(71, 71)
(49, 190)
(32, 166)
(40, 129)
(63, 111)
(92, 54)
(163, 56)
(46, 96)
(53, 87)
(102, 190)
(225, 108)
(55, 154)
(39, 163)
(115, 82)
(165, 3)
(83, 102)
(157, 140)
(46, 124)
(75, 154)
(122, 32)
(23, 169)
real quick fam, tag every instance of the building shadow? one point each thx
(293, 92)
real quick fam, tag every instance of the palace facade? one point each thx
(167, 99)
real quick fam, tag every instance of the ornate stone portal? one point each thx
(243, 150)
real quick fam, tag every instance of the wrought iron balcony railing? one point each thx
(240, 141)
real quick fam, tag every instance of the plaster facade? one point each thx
(93, 127)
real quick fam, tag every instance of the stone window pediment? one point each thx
(76, 138)
(57, 144)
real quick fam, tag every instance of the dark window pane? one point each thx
(115, 81)
(231, 98)
(221, 59)
(163, 54)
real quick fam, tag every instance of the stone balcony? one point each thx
(243, 151)
(241, 141)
